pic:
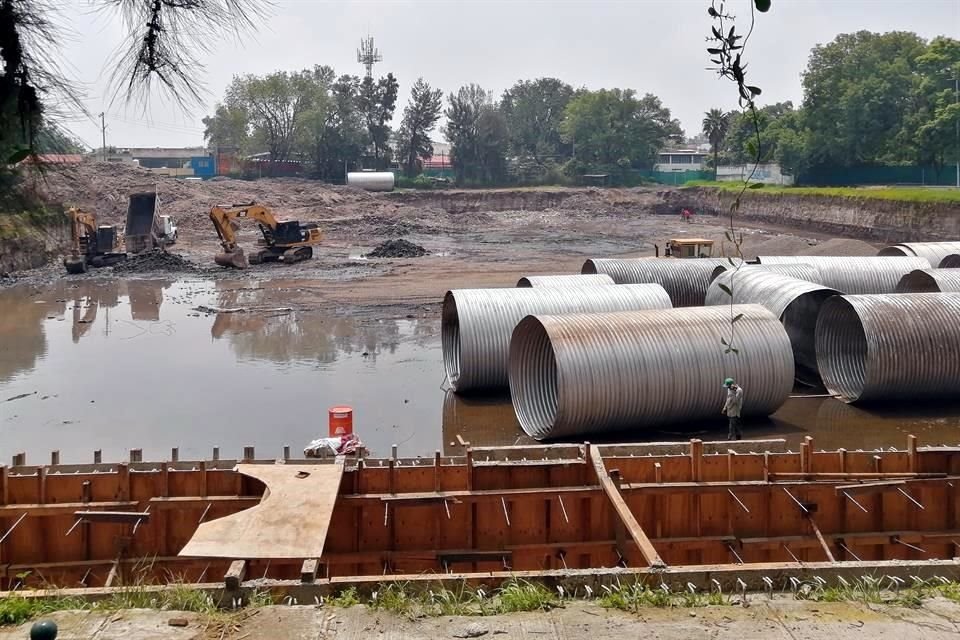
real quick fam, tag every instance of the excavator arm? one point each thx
(83, 224)
(83, 228)
(223, 221)
(290, 241)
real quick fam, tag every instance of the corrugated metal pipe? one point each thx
(576, 280)
(800, 271)
(476, 324)
(934, 252)
(577, 375)
(796, 302)
(856, 275)
(685, 280)
(883, 348)
(951, 261)
(930, 281)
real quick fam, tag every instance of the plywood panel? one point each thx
(290, 522)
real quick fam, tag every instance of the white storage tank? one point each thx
(371, 180)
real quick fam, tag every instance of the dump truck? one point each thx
(146, 228)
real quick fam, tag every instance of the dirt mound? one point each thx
(397, 249)
(103, 187)
(154, 260)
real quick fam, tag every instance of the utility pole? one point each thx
(103, 132)
(956, 120)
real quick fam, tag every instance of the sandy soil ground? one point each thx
(474, 238)
(764, 619)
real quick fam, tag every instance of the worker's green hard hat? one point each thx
(728, 382)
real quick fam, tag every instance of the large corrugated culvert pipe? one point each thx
(856, 275)
(880, 348)
(476, 324)
(685, 280)
(796, 302)
(934, 252)
(951, 261)
(582, 374)
(800, 271)
(930, 281)
(576, 280)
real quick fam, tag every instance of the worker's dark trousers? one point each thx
(736, 428)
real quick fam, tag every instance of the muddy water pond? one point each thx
(157, 364)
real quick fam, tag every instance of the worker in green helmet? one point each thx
(732, 407)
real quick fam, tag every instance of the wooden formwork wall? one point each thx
(457, 515)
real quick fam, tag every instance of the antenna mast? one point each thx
(368, 55)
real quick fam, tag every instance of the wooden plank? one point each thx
(129, 517)
(62, 508)
(290, 522)
(308, 571)
(235, 575)
(823, 543)
(870, 487)
(114, 572)
(876, 474)
(643, 543)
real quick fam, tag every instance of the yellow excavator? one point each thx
(286, 241)
(91, 245)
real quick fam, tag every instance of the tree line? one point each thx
(541, 129)
(869, 100)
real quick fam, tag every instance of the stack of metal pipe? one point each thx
(686, 281)
(882, 348)
(575, 280)
(795, 302)
(476, 324)
(934, 252)
(856, 275)
(799, 271)
(930, 281)
(572, 375)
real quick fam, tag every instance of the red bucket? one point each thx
(340, 421)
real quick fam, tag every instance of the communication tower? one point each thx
(368, 55)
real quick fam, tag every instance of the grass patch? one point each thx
(346, 598)
(948, 195)
(522, 595)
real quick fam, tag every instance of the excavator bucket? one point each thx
(234, 259)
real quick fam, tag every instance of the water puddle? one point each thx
(122, 365)
(157, 364)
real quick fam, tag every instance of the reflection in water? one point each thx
(479, 421)
(145, 297)
(835, 424)
(258, 330)
(121, 365)
(22, 336)
(151, 377)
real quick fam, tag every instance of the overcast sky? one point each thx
(654, 46)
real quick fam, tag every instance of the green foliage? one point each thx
(868, 96)
(900, 194)
(376, 102)
(533, 110)
(419, 118)
(477, 132)
(715, 125)
(613, 131)
(395, 598)
(522, 595)
(345, 598)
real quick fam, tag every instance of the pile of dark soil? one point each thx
(397, 249)
(154, 260)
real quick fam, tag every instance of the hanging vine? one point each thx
(727, 48)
